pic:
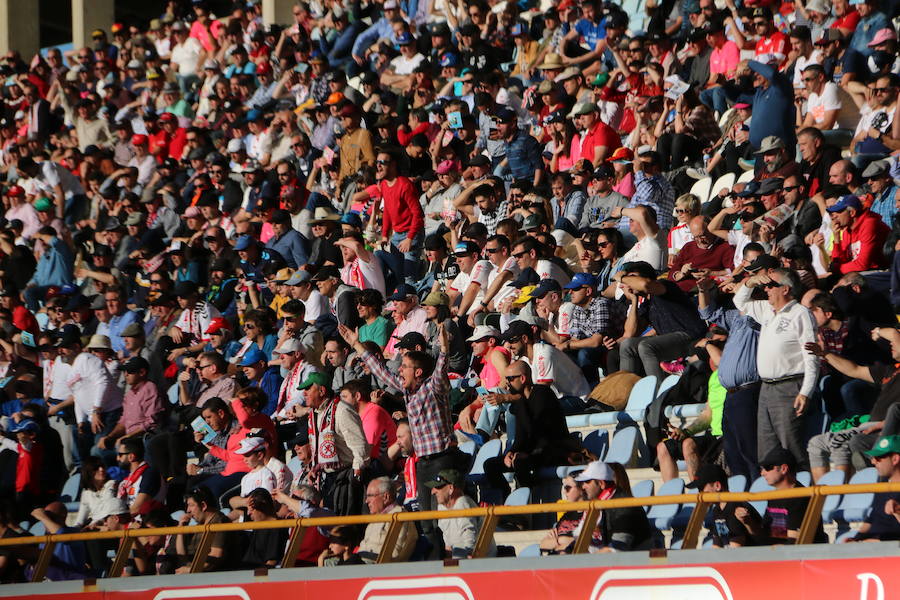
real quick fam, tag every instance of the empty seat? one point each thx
(71, 493)
(831, 502)
(685, 411)
(530, 551)
(737, 483)
(468, 447)
(596, 442)
(37, 529)
(573, 421)
(176, 516)
(746, 176)
(661, 515)
(726, 181)
(642, 394)
(667, 383)
(760, 485)
(701, 189)
(623, 446)
(519, 497)
(642, 489)
(804, 478)
(856, 507)
(491, 449)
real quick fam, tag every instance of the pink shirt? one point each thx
(414, 321)
(725, 59)
(380, 429)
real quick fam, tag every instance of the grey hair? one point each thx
(309, 493)
(790, 278)
(385, 486)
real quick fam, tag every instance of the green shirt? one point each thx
(716, 398)
(377, 331)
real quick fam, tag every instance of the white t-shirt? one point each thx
(738, 239)
(258, 478)
(802, 62)
(678, 237)
(53, 174)
(550, 270)
(283, 475)
(816, 105)
(552, 366)
(316, 306)
(867, 115)
(369, 272)
(58, 383)
(404, 66)
(649, 250)
(92, 386)
(479, 276)
(186, 56)
(507, 289)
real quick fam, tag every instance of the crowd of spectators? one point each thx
(254, 271)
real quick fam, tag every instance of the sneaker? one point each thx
(698, 173)
(674, 367)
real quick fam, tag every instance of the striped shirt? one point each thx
(428, 407)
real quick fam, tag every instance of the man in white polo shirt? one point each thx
(789, 373)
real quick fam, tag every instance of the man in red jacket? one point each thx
(862, 236)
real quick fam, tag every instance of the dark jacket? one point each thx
(625, 528)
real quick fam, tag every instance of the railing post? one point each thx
(118, 564)
(485, 534)
(587, 530)
(390, 540)
(43, 561)
(692, 533)
(298, 534)
(811, 518)
(202, 551)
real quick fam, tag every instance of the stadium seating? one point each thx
(642, 394)
(831, 502)
(760, 485)
(71, 493)
(856, 507)
(662, 515)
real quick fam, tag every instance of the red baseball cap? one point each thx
(138, 139)
(15, 191)
(218, 324)
(263, 68)
(166, 117)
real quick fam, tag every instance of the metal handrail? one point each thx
(490, 515)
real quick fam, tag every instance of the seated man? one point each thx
(461, 534)
(883, 522)
(730, 528)
(618, 529)
(381, 498)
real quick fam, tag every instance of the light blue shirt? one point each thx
(737, 366)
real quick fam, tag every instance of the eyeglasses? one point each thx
(883, 90)
(492, 250)
(122, 453)
(681, 211)
(217, 171)
(510, 378)
(569, 487)
(201, 367)
(791, 188)
(249, 326)
(809, 78)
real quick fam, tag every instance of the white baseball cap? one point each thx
(250, 444)
(597, 471)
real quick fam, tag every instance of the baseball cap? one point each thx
(217, 325)
(132, 330)
(546, 286)
(516, 329)
(597, 471)
(403, 291)
(327, 272)
(828, 36)
(848, 201)
(776, 457)
(315, 378)
(466, 247)
(290, 345)
(25, 425)
(709, 473)
(770, 185)
(483, 331)
(446, 477)
(763, 261)
(622, 155)
(770, 143)
(527, 276)
(889, 444)
(251, 444)
(243, 242)
(411, 340)
(185, 288)
(504, 114)
(135, 364)
(253, 356)
(299, 276)
(583, 108)
(581, 280)
(532, 221)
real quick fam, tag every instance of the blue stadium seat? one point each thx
(643, 489)
(530, 551)
(37, 529)
(804, 478)
(661, 515)
(491, 449)
(71, 493)
(685, 411)
(468, 447)
(623, 446)
(737, 483)
(642, 394)
(831, 502)
(760, 485)
(519, 497)
(667, 383)
(856, 507)
(573, 421)
(597, 442)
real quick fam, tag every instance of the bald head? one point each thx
(519, 367)
(698, 226)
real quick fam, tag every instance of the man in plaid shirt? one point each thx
(426, 393)
(594, 319)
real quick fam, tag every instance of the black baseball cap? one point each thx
(411, 340)
(707, 474)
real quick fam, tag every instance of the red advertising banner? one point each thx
(863, 579)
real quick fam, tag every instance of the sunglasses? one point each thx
(519, 254)
(771, 284)
(382, 162)
(883, 90)
(759, 23)
(512, 377)
(492, 250)
(603, 244)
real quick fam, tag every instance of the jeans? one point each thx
(86, 439)
(216, 483)
(338, 51)
(589, 360)
(490, 416)
(643, 354)
(411, 262)
(427, 468)
(845, 398)
(715, 98)
(676, 149)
